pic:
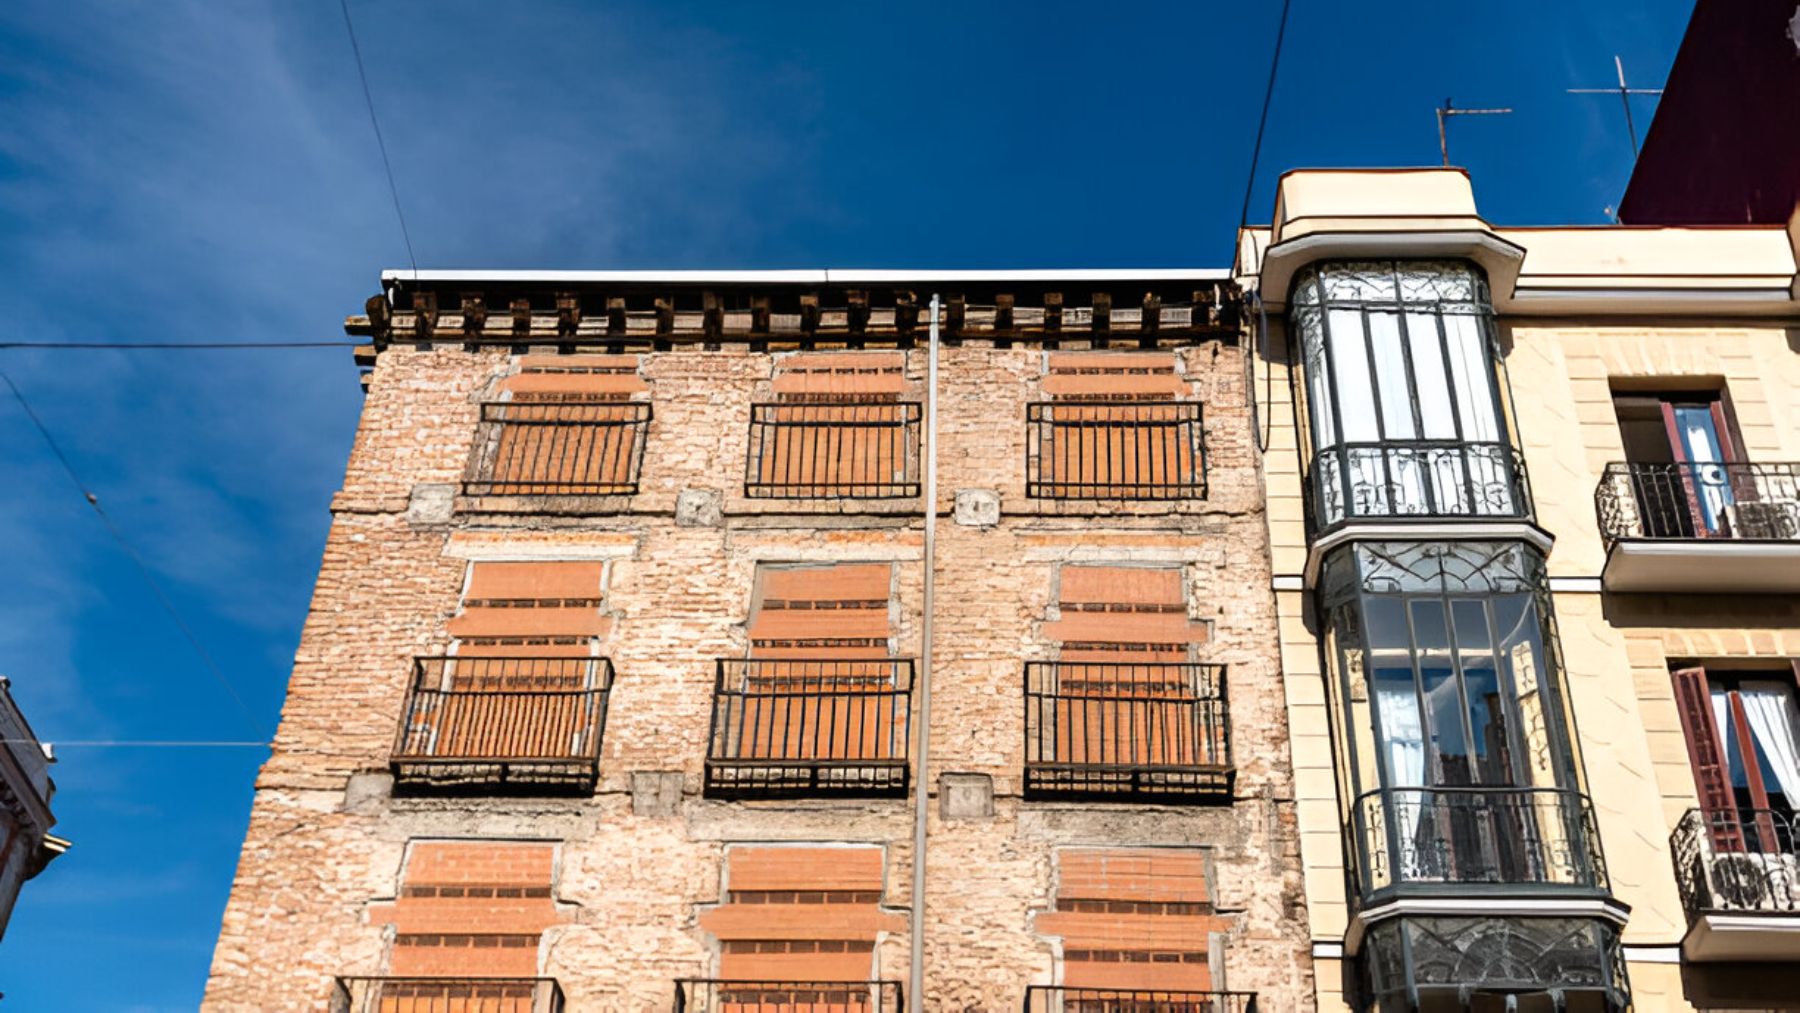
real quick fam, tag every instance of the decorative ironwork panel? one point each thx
(446, 995)
(490, 723)
(1514, 839)
(809, 726)
(1741, 861)
(1419, 479)
(718, 995)
(1431, 568)
(1731, 502)
(558, 448)
(1124, 450)
(1412, 282)
(1115, 729)
(1069, 999)
(836, 449)
(1409, 962)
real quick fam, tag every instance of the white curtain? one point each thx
(1772, 721)
(1350, 367)
(1403, 735)
(1473, 377)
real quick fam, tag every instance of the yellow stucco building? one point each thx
(1536, 534)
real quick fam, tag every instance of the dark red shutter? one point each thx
(1707, 756)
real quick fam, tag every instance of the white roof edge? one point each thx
(814, 276)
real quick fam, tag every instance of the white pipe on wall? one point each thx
(915, 999)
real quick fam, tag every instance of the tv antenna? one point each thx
(1624, 92)
(1447, 110)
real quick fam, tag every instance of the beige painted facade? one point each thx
(1582, 314)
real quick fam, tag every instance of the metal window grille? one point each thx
(1069, 999)
(1105, 729)
(854, 449)
(1420, 479)
(1125, 450)
(807, 726)
(1738, 861)
(446, 995)
(559, 448)
(489, 723)
(1506, 838)
(719, 995)
(1737, 501)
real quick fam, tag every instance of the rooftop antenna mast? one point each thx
(1447, 110)
(1624, 92)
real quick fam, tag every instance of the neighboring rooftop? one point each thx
(1724, 147)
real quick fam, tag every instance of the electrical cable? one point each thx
(143, 567)
(137, 346)
(369, 99)
(1262, 123)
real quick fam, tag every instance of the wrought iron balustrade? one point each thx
(558, 448)
(1071, 999)
(833, 449)
(1739, 861)
(479, 723)
(446, 995)
(1475, 839)
(1104, 729)
(810, 726)
(1418, 480)
(1736, 501)
(720, 995)
(1122, 450)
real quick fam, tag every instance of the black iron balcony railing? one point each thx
(719, 995)
(1418, 480)
(559, 448)
(1126, 730)
(1739, 501)
(1741, 861)
(488, 724)
(785, 727)
(833, 449)
(446, 995)
(1458, 840)
(1067, 999)
(1123, 450)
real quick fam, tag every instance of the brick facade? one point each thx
(617, 892)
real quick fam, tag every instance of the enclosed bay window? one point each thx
(1403, 392)
(1457, 745)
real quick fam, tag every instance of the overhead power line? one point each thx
(369, 99)
(143, 567)
(1262, 121)
(136, 743)
(164, 346)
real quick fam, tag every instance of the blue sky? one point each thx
(190, 171)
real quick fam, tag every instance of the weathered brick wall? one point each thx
(637, 869)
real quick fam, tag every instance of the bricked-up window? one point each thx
(466, 930)
(838, 429)
(1114, 431)
(797, 933)
(820, 706)
(1133, 920)
(521, 704)
(1124, 711)
(565, 426)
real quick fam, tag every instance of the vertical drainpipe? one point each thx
(915, 999)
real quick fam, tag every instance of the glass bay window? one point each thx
(1403, 392)
(1455, 740)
